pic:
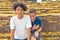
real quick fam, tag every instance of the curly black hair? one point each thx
(23, 6)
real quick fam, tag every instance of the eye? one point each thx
(18, 9)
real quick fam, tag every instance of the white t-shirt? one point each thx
(20, 26)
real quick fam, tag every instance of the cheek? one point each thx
(21, 12)
(32, 17)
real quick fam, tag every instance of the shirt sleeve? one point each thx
(12, 25)
(41, 23)
(28, 24)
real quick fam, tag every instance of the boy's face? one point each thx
(19, 11)
(32, 16)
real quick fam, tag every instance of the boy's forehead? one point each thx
(32, 13)
(19, 7)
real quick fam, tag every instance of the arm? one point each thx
(12, 34)
(12, 29)
(28, 34)
(35, 27)
(28, 28)
(40, 26)
(39, 30)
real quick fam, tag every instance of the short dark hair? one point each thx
(23, 6)
(32, 11)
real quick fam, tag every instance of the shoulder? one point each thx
(38, 18)
(27, 16)
(14, 17)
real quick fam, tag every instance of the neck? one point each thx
(20, 17)
(33, 19)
